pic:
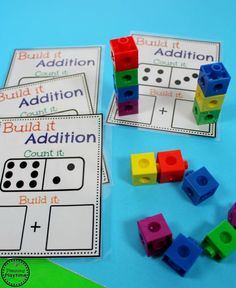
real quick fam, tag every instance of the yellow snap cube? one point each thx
(143, 168)
(208, 103)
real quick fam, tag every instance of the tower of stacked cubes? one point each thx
(213, 82)
(124, 55)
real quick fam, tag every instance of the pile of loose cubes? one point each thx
(182, 252)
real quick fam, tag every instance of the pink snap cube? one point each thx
(155, 234)
(232, 215)
(127, 108)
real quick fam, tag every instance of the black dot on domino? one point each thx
(177, 82)
(145, 78)
(34, 174)
(160, 71)
(158, 80)
(23, 164)
(186, 79)
(71, 167)
(56, 180)
(33, 184)
(147, 70)
(19, 184)
(35, 164)
(6, 184)
(10, 165)
(195, 75)
(8, 174)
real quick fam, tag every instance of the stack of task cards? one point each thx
(51, 163)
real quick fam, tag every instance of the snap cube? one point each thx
(155, 234)
(128, 107)
(232, 216)
(124, 53)
(208, 103)
(126, 78)
(127, 93)
(182, 254)
(143, 168)
(213, 79)
(170, 166)
(221, 241)
(207, 117)
(199, 185)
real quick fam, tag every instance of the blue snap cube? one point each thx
(213, 79)
(182, 254)
(199, 185)
(125, 94)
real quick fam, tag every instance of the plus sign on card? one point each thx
(167, 77)
(50, 186)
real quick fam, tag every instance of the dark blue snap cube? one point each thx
(199, 185)
(213, 79)
(182, 254)
(125, 94)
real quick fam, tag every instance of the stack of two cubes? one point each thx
(124, 55)
(213, 82)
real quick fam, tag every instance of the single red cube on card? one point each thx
(124, 53)
(170, 166)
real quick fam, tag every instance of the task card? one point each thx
(50, 189)
(57, 62)
(168, 73)
(56, 96)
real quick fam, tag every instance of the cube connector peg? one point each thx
(221, 241)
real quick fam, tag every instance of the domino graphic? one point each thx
(43, 174)
(168, 77)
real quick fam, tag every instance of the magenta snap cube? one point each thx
(127, 108)
(232, 215)
(155, 234)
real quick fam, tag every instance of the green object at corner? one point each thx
(40, 273)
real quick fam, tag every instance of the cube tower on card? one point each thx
(124, 55)
(213, 82)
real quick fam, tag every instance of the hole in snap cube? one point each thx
(144, 180)
(213, 103)
(123, 40)
(143, 163)
(128, 93)
(154, 227)
(157, 245)
(129, 107)
(202, 180)
(184, 251)
(127, 78)
(216, 67)
(127, 60)
(218, 87)
(209, 117)
(225, 237)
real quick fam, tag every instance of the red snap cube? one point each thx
(124, 53)
(170, 166)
